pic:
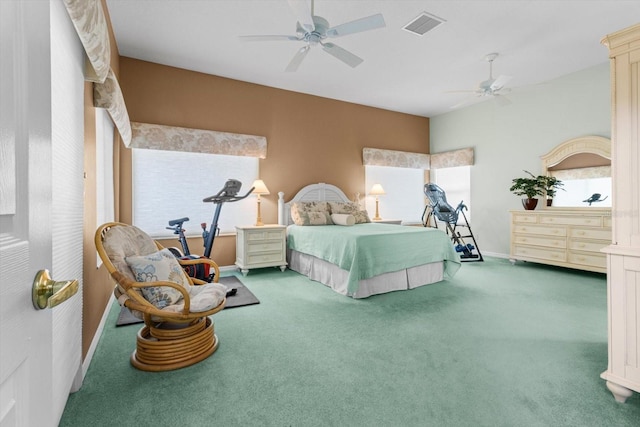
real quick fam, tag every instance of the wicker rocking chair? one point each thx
(150, 281)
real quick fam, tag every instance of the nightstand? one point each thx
(387, 221)
(260, 246)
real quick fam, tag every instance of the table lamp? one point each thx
(377, 191)
(259, 189)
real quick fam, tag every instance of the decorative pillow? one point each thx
(310, 213)
(350, 208)
(343, 219)
(159, 266)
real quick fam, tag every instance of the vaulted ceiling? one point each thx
(536, 40)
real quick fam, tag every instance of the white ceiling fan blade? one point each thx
(467, 101)
(343, 55)
(303, 11)
(500, 82)
(297, 59)
(501, 101)
(363, 24)
(262, 38)
(460, 91)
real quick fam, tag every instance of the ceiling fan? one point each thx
(490, 88)
(314, 30)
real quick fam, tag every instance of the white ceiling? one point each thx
(538, 40)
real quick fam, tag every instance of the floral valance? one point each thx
(451, 159)
(399, 159)
(91, 25)
(160, 137)
(108, 95)
(403, 159)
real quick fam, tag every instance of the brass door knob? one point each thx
(47, 293)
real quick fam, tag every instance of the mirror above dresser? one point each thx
(584, 167)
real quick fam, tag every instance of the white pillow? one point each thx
(350, 208)
(155, 267)
(343, 219)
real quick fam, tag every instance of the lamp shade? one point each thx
(377, 190)
(259, 188)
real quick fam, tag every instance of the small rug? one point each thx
(242, 297)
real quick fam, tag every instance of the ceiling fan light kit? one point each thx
(314, 30)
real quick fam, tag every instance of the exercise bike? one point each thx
(228, 194)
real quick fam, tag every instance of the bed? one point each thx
(367, 258)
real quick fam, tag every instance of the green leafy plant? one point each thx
(530, 187)
(550, 184)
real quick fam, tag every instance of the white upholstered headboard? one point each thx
(311, 193)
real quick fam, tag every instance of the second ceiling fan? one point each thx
(313, 30)
(490, 88)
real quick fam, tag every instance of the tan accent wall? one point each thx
(97, 286)
(309, 139)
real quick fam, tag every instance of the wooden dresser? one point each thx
(566, 237)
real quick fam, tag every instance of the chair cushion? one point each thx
(124, 241)
(159, 266)
(203, 298)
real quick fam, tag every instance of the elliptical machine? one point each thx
(228, 194)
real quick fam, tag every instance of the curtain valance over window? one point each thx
(403, 159)
(173, 138)
(108, 95)
(90, 24)
(398, 159)
(451, 159)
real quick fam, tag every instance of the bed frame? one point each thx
(311, 193)
(333, 276)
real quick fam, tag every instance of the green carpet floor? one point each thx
(498, 345)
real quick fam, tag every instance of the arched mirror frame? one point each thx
(591, 144)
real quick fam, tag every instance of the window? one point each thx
(403, 187)
(105, 208)
(171, 184)
(456, 183)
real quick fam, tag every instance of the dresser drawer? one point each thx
(544, 231)
(524, 218)
(579, 245)
(591, 221)
(549, 242)
(541, 253)
(585, 233)
(266, 246)
(607, 221)
(264, 235)
(265, 257)
(595, 260)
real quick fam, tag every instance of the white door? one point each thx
(28, 396)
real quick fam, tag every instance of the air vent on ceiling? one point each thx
(423, 23)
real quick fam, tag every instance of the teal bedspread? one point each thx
(367, 250)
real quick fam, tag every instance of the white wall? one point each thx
(512, 138)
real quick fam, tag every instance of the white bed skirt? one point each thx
(336, 278)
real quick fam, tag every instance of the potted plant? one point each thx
(550, 184)
(529, 187)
